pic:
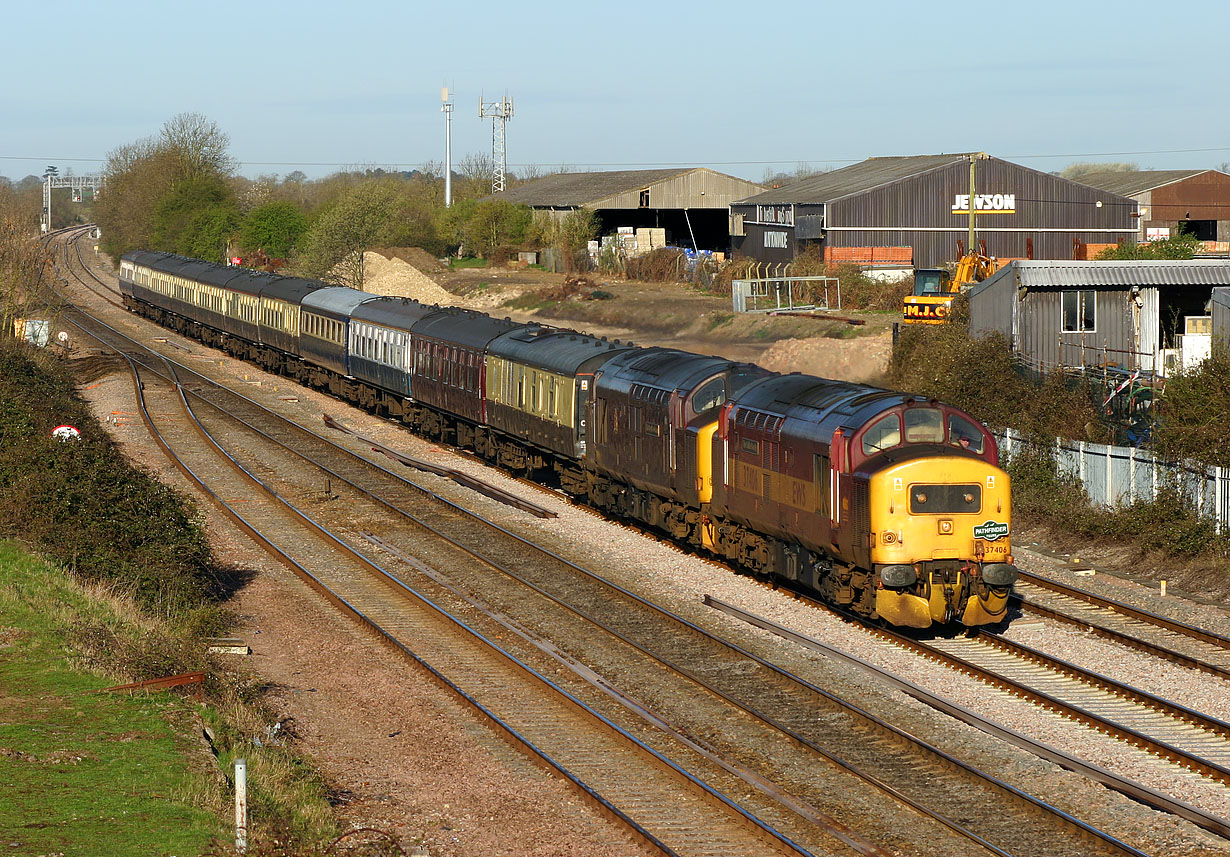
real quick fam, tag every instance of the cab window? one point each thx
(924, 425)
(709, 396)
(963, 433)
(883, 434)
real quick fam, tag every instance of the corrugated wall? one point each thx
(699, 188)
(1221, 316)
(992, 307)
(754, 243)
(1043, 344)
(919, 212)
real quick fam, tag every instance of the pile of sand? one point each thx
(394, 277)
(860, 360)
(416, 256)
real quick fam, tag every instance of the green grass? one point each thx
(467, 262)
(86, 772)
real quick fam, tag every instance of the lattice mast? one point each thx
(499, 112)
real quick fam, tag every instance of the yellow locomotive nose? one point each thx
(949, 557)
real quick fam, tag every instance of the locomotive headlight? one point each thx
(888, 537)
(898, 575)
(945, 526)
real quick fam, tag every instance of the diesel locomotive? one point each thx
(889, 505)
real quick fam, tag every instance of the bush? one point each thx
(981, 376)
(83, 505)
(1191, 418)
(1168, 524)
(664, 265)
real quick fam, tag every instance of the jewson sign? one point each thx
(985, 203)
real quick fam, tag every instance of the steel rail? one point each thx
(341, 602)
(1101, 835)
(1134, 790)
(1187, 630)
(1151, 744)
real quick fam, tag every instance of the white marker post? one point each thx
(241, 805)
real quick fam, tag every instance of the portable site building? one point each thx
(1151, 316)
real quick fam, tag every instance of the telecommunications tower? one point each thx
(499, 112)
(447, 107)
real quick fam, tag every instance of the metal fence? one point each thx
(777, 294)
(1119, 475)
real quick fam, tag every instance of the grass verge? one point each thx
(128, 590)
(85, 771)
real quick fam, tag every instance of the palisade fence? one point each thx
(1120, 475)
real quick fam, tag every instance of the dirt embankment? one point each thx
(664, 314)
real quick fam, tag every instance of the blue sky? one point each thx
(735, 86)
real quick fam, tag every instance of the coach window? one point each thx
(1079, 311)
(883, 434)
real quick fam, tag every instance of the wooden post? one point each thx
(241, 805)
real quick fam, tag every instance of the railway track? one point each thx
(669, 808)
(1159, 635)
(1053, 834)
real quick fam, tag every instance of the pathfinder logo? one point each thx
(991, 531)
(985, 203)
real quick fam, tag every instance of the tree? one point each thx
(1076, 172)
(332, 249)
(474, 176)
(195, 218)
(274, 227)
(209, 233)
(138, 176)
(22, 260)
(1181, 246)
(199, 145)
(496, 224)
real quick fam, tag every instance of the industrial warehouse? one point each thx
(687, 207)
(871, 212)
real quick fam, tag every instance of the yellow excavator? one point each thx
(934, 288)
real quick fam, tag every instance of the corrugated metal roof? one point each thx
(564, 190)
(1111, 275)
(853, 179)
(1136, 181)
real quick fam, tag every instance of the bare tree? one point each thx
(257, 192)
(475, 171)
(1075, 172)
(22, 261)
(200, 145)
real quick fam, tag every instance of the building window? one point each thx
(1079, 315)
(644, 203)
